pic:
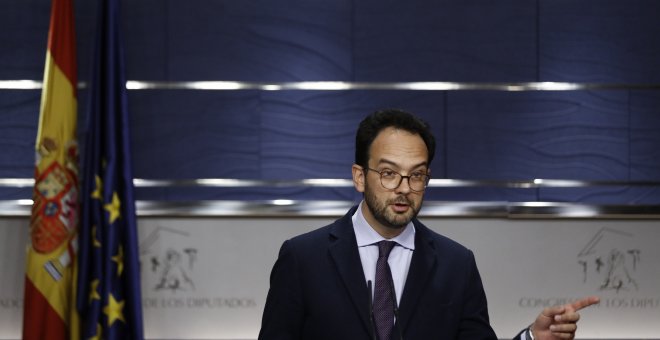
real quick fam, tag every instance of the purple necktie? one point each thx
(383, 293)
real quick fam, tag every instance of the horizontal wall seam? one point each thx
(222, 85)
(328, 208)
(342, 183)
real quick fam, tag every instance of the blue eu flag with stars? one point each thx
(109, 299)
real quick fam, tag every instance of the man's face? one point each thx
(389, 210)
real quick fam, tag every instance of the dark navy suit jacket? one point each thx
(318, 290)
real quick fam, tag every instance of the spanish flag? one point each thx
(51, 270)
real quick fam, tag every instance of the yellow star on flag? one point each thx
(97, 190)
(113, 207)
(114, 310)
(119, 258)
(93, 291)
(98, 334)
(97, 244)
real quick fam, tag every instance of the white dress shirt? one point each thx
(400, 257)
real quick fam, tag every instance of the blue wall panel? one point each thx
(18, 132)
(259, 40)
(492, 135)
(311, 134)
(599, 41)
(645, 135)
(489, 41)
(190, 134)
(147, 29)
(610, 195)
(307, 135)
(483, 193)
(260, 193)
(23, 39)
(526, 135)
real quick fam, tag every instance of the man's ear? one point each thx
(358, 177)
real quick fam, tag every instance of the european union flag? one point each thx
(109, 299)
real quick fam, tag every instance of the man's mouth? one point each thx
(400, 207)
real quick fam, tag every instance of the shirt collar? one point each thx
(366, 235)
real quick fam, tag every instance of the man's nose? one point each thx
(404, 186)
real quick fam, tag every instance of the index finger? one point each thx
(586, 302)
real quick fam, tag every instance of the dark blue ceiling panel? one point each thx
(430, 40)
(599, 41)
(527, 135)
(259, 40)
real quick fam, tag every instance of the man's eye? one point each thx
(387, 173)
(417, 175)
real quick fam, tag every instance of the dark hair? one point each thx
(376, 122)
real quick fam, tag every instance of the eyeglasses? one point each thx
(390, 179)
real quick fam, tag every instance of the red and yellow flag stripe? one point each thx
(51, 269)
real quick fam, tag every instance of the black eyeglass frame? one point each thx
(427, 178)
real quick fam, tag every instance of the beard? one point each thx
(385, 216)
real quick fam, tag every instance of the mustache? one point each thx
(400, 200)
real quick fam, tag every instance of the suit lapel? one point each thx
(421, 266)
(344, 252)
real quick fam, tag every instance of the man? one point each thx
(379, 273)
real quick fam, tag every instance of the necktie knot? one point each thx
(384, 248)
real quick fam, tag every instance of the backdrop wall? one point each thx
(207, 278)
